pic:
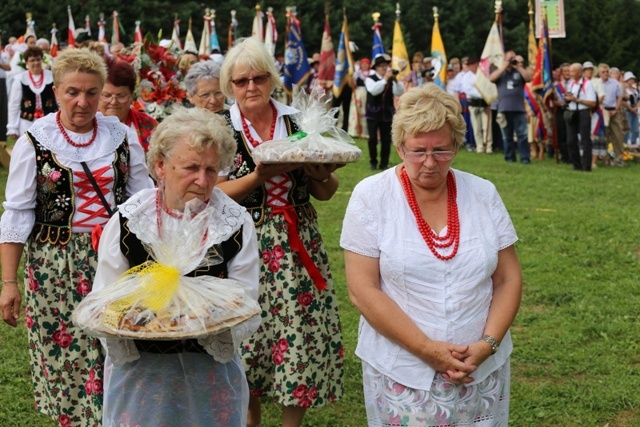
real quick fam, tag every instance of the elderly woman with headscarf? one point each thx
(431, 265)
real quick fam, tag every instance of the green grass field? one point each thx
(576, 360)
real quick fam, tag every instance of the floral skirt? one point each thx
(296, 356)
(66, 364)
(390, 403)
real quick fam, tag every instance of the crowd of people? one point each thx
(435, 349)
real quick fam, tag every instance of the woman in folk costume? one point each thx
(181, 379)
(296, 357)
(117, 100)
(60, 169)
(31, 94)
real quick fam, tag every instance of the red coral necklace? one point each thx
(435, 242)
(247, 132)
(72, 142)
(36, 84)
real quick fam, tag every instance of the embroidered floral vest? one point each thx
(55, 196)
(255, 202)
(28, 102)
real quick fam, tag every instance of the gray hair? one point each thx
(206, 70)
(204, 130)
(247, 54)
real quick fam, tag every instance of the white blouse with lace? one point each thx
(19, 215)
(448, 300)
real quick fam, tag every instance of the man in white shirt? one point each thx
(581, 97)
(479, 110)
(382, 86)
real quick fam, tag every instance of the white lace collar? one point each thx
(48, 79)
(225, 216)
(111, 133)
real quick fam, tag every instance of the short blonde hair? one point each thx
(78, 61)
(247, 54)
(425, 109)
(205, 130)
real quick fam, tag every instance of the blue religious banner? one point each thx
(296, 63)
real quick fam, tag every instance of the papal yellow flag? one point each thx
(399, 55)
(438, 55)
(532, 46)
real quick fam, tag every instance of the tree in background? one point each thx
(602, 32)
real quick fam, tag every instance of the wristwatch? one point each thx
(492, 342)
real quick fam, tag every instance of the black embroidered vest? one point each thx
(380, 107)
(55, 196)
(28, 102)
(256, 201)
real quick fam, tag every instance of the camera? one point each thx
(395, 72)
(513, 62)
(427, 72)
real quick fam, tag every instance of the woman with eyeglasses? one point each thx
(31, 95)
(295, 358)
(203, 86)
(117, 99)
(431, 265)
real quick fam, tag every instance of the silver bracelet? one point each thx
(4, 282)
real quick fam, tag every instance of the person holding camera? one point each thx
(581, 98)
(510, 79)
(382, 85)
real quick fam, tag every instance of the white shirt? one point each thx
(448, 300)
(377, 87)
(19, 215)
(466, 85)
(583, 90)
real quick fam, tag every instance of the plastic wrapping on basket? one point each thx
(319, 139)
(156, 301)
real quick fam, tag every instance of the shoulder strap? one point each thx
(97, 188)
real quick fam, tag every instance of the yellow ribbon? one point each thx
(157, 285)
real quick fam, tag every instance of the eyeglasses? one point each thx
(421, 156)
(120, 98)
(208, 95)
(257, 80)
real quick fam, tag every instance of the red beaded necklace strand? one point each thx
(435, 242)
(247, 132)
(37, 84)
(70, 141)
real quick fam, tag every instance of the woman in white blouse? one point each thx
(187, 381)
(53, 212)
(31, 94)
(432, 267)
